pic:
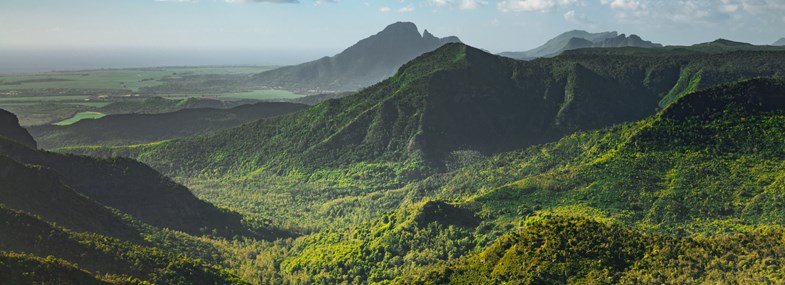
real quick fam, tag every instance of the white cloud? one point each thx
(624, 4)
(262, 1)
(533, 5)
(406, 9)
(178, 1)
(572, 16)
(460, 4)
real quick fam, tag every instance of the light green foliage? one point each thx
(80, 116)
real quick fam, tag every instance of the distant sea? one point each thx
(29, 60)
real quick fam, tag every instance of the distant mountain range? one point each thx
(780, 42)
(577, 39)
(367, 62)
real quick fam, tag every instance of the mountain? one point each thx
(10, 129)
(37, 190)
(126, 129)
(124, 184)
(20, 269)
(363, 64)
(109, 258)
(697, 185)
(107, 216)
(780, 42)
(578, 39)
(453, 100)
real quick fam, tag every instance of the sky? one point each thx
(288, 31)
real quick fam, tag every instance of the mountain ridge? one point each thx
(457, 99)
(578, 39)
(367, 62)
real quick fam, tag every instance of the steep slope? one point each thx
(10, 129)
(40, 191)
(710, 162)
(124, 184)
(21, 269)
(581, 39)
(129, 129)
(780, 42)
(365, 63)
(20, 232)
(674, 198)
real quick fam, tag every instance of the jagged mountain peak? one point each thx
(368, 61)
(577, 39)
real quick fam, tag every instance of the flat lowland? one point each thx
(128, 79)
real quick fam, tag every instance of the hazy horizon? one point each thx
(108, 34)
(45, 59)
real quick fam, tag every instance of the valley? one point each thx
(406, 158)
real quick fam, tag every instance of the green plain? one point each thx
(262, 95)
(80, 116)
(43, 98)
(131, 79)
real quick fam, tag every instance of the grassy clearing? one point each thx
(262, 95)
(80, 116)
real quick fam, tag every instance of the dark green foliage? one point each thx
(40, 191)
(131, 187)
(708, 162)
(10, 129)
(20, 232)
(157, 105)
(126, 129)
(22, 269)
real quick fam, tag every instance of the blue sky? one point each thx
(325, 26)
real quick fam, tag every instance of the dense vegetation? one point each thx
(598, 166)
(442, 111)
(127, 129)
